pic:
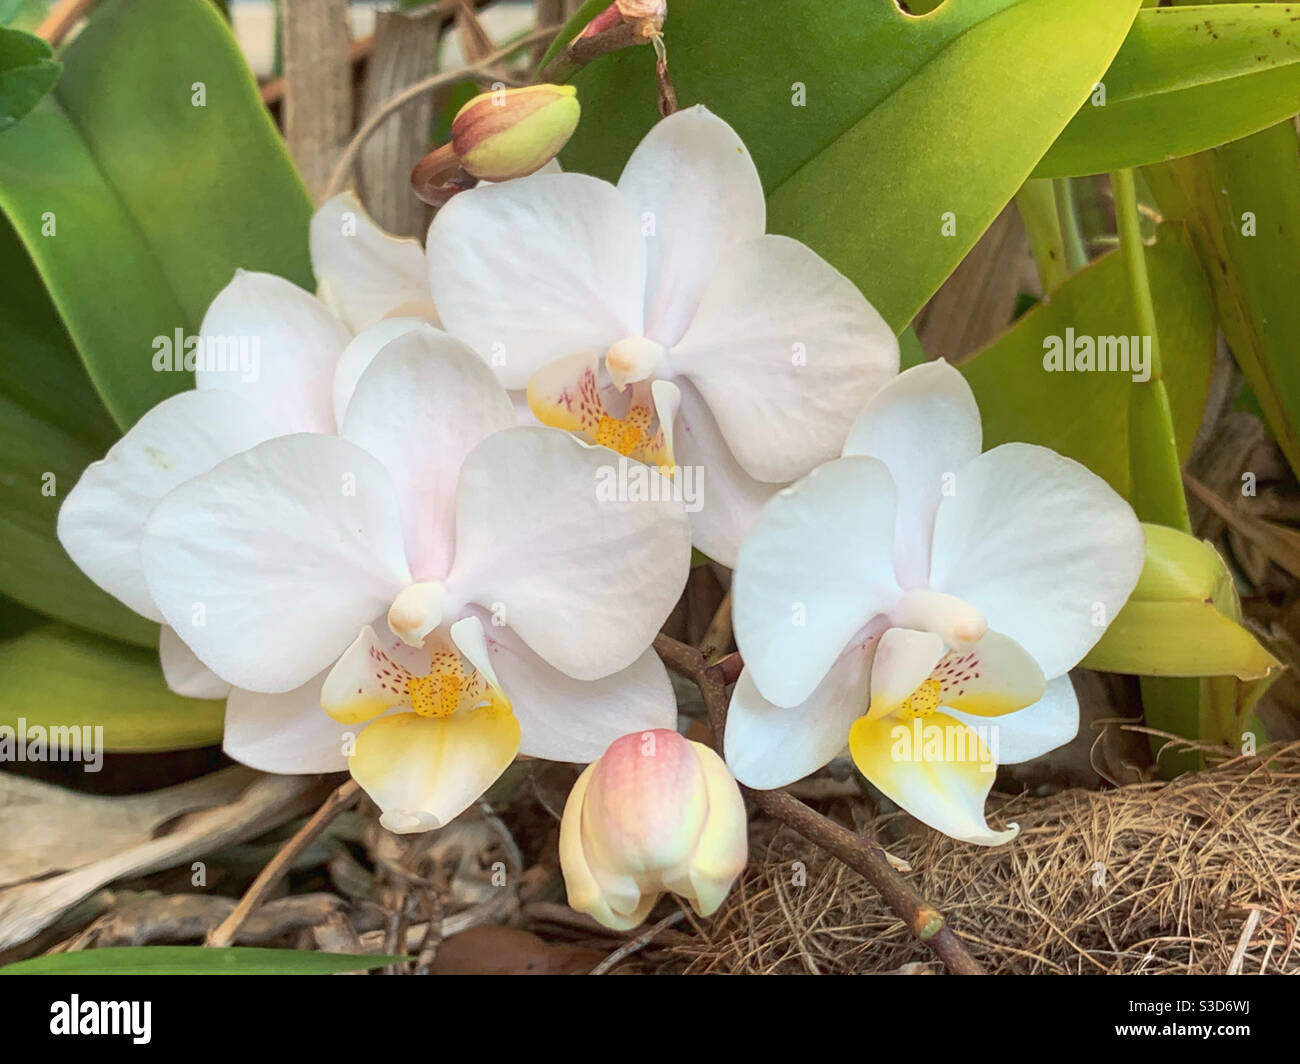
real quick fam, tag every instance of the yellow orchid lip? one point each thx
(567, 395)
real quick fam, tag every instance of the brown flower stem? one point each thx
(862, 855)
(275, 870)
(582, 50)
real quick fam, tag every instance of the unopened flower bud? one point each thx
(514, 132)
(656, 813)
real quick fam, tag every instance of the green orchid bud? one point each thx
(514, 132)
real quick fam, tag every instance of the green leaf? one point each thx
(575, 25)
(901, 120)
(1084, 415)
(54, 425)
(197, 960)
(60, 677)
(1183, 618)
(1242, 205)
(27, 72)
(170, 175)
(1186, 79)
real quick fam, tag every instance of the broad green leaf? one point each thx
(1183, 618)
(143, 181)
(27, 72)
(53, 425)
(1085, 414)
(1242, 205)
(870, 128)
(197, 960)
(60, 677)
(1186, 79)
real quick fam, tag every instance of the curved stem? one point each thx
(411, 92)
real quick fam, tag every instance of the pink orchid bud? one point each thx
(656, 813)
(510, 133)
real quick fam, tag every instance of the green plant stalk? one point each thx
(1157, 473)
(1036, 202)
(1067, 213)
(1172, 705)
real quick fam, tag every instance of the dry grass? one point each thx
(1152, 878)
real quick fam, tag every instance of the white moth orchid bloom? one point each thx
(453, 580)
(656, 317)
(924, 602)
(263, 364)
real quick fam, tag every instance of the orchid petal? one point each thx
(423, 772)
(1045, 549)
(364, 273)
(945, 792)
(729, 498)
(286, 733)
(360, 352)
(722, 848)
(815, 569)
(269, 564)
(584, 890)
(586, 582)
(536, 269)
(785, 351)
(183, 671)
(563, 719)
(296, 342)
(692, 180)
(102, 520)
(904, 660)
(769, 746)
(924, 425)
(1028, 733)
(994, 677)
(425, 402)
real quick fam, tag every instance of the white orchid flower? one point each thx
(924, 602)
(656, 317)
(263, 365)
(453, 580)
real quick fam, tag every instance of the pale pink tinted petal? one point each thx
(695, 189)
(425, 402)
(360, 352)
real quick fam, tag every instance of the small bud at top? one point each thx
(514, 132)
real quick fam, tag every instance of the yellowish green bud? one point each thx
(511, 133)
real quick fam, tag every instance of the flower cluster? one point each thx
(389, 549)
